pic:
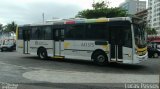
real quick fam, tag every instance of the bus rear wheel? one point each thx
(100, 58)
(42, 53)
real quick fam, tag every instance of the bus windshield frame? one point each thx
(139, 35)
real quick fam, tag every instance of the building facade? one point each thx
(143, 15)
(133, 6)
(154, 14)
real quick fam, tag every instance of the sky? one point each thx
(30, 11)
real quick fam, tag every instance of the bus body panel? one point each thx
(119, 46)
(140, 55)
(127, 55)
(81, 49)
(138, 59)
(47, 44)
(20, 46)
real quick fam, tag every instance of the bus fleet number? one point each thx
(87, 44)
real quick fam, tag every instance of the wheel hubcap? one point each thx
(155, 55)
(42, 54)
(101, 58)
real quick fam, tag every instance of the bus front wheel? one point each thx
(100, 58)
(42, 53)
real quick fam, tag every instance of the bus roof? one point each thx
(77, 21)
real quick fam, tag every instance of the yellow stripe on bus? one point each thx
(102, 20)
(66, 45)
(17, 33)
(58, 57)
(141, 49)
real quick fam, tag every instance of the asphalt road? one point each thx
(28, 72)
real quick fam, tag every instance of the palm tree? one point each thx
(11, 27)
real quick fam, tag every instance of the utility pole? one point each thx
(43, 17)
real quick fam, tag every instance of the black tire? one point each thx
(155, 55)
(42, 53)
(4, 49)
(149, 56)
(1, 49)
(100, 58)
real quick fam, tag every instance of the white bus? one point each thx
(102, 40)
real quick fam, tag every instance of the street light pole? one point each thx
(43, 17)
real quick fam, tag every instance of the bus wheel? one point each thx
(155, 55)
(100, 58)
(42, 53)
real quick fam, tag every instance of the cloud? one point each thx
(31, 11)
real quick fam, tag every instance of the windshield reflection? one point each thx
(140, 36)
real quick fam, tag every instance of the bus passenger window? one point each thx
(47, 33)
(34, 33)
(75, 32)
(96, 31)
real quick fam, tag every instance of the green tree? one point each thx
(100, 5)
(101, 9)
(151, 31)
(11, 27)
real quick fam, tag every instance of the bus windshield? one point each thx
(140, 36)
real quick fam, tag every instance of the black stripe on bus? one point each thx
(79, 50)
(38, 47)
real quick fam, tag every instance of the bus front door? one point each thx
(121, 44)
(26, 41)
(59, 40)
(116, 41)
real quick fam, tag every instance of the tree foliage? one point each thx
(101, 9)
(100, 5)
(151, 31)
(11, 27)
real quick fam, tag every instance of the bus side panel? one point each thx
(19, 46)
(47, 44)
(76, 49)
(127, 55)
(73, 50)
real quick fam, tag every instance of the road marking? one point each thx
(88, 77)
(62, 76)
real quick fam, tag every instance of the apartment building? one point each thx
(154, 14)
(133, 6)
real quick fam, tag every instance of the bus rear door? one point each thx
(58, 42)
(26, 40)
(116, 45)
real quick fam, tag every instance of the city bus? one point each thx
(102, 40)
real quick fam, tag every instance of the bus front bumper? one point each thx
(138, 59)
